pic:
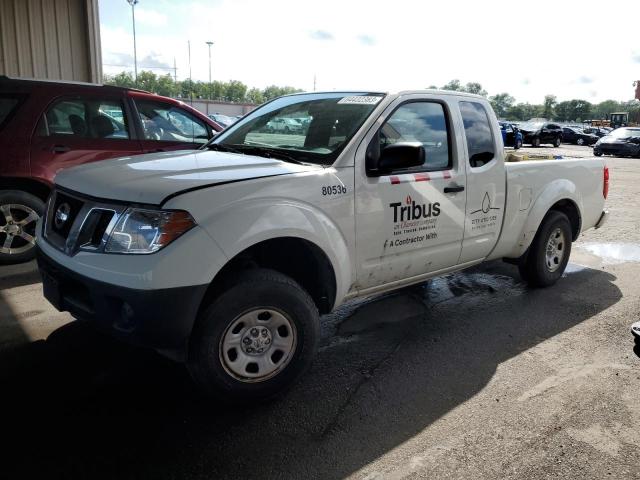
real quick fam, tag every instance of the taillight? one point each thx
(605, 183)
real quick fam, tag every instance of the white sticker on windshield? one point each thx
(360, 100)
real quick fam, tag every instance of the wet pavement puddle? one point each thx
(612, 253)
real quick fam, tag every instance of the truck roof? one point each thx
(398, 92)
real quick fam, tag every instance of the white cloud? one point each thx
(151, 17)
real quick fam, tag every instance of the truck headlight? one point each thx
(140, 231)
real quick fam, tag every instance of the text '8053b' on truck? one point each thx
(224, 258)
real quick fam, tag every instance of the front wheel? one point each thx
(549, 252)
(518, 145)
(19, 212)
(597, 153)
(580, 142)
(535, 142)
(254, 340)
(557, 142)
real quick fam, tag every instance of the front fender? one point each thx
(552, 193)
(253, 221)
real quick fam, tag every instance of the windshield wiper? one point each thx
(268, 153)
(218, 147)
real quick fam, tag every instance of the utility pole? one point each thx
(175, 71)
(210, 86)
(133, 4)
(314, 82)
(190, 79)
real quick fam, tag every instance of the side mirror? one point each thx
(399, 156)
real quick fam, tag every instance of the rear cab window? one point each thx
(477, 130)
(8, 106)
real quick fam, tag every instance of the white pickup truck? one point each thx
(224, 258)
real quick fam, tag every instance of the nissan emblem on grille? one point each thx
(62, 215)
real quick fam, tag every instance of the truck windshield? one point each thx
(312, 128)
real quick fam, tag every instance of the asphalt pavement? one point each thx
(471, 375)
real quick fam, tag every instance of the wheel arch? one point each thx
(302, 260)
(34, 187)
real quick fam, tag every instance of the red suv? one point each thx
(47, 126)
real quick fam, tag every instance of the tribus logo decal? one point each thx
(413, 211)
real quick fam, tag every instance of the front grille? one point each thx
(74, 223)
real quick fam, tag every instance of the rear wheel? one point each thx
(518, 144)
(19, 212)
(535, 142)
(597, 153)
(580, 141)
(549, 252)
(254, 340)
(557, 142)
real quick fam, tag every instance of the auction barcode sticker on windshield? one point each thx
(360, 100)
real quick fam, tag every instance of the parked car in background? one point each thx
(622, 142)
(47, 126)
(536, 133)
(222, 120)
(578, 136)
(284, 125)
(598, 131)
(511, 135)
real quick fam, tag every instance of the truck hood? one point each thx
(151, 178)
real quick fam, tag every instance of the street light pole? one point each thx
(210, 87)
(133, 4)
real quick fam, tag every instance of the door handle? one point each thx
(454, 189)
(60, 149)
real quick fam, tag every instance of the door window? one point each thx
(480, 143)
(423, 122)
(85, 118)
(165, 122)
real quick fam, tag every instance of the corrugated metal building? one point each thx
(50, 39)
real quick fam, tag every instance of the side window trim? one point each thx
(447, 117)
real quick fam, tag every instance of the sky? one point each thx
(568, 48)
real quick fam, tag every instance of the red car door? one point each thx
(169, 126)
(80, 129)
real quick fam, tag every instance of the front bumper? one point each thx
(161, 319)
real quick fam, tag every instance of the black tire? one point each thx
(535, 142)
(557, 142)
(536, 270)
(518, 145)
(253, 290)
(580, 141)
(597, 153)
(22, 203)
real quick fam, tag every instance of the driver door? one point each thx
(410, 222)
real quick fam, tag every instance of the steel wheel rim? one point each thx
(17, 228)
(556, 248)
(257, 345)
(580, 141)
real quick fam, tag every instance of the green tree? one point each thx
(453, 85)
(501, 104)
(475, 87)
(254, 95)
(550, 102)
(147, 81)
(166, 86)
(235, 91)
(122, 79)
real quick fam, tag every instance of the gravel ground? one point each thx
(472, 375)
